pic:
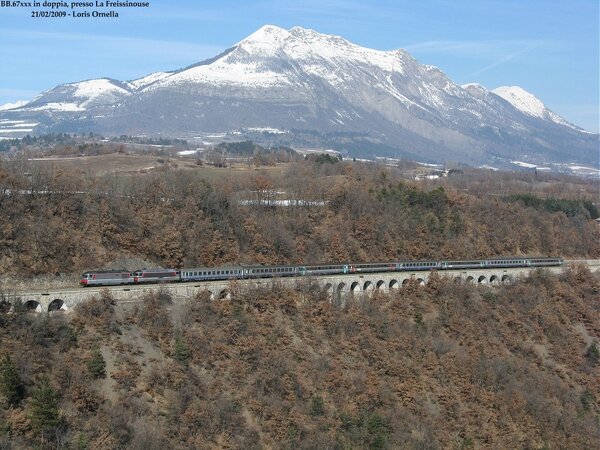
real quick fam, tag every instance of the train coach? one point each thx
(117, 277)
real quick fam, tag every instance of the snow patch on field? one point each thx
(187, 152)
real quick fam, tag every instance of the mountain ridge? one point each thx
(303, 81)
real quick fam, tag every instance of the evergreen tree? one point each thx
(593, 354)
(317, 406)
(11, 385)
(182, 352)
(97, 365)
(43, 410)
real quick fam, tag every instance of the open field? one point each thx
(127, 164)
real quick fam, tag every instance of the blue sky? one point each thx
(549, 48)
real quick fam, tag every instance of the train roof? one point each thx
(107, 271)
(159, 270)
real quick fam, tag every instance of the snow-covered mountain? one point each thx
(530, 104)
(81, 96)
(13, 105)
(322, 90)
(143, 82)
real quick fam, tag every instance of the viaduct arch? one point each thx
(336, 288)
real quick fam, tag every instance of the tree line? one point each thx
(58, 221)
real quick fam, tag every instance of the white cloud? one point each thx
(482, 49)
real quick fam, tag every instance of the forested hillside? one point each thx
(444, 366)
(440, 366)
(319, 210)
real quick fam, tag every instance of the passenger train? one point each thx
(118, 277)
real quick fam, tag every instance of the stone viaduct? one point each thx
(337, 287)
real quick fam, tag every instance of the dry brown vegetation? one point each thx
(440, 366)
(58, 221)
